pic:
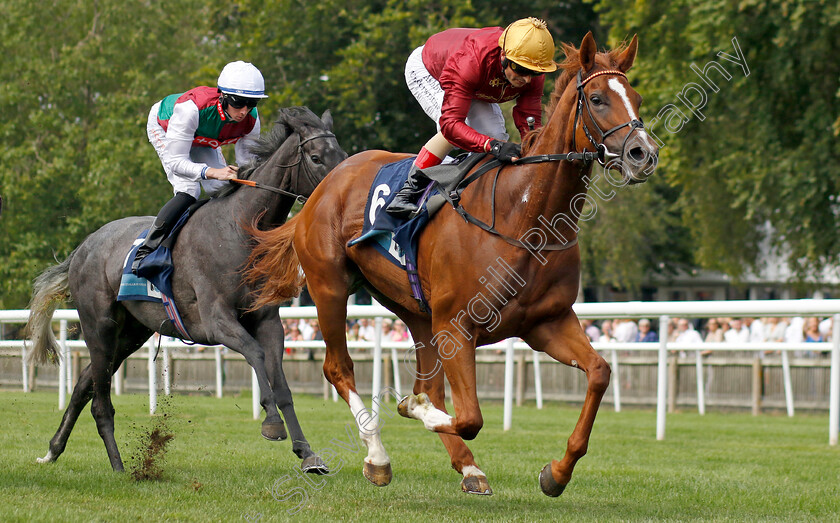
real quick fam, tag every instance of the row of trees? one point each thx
(77, 87)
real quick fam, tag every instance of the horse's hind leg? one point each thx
(564, 340)
(429, 379)
(82, 394)
(328, 284)
(269, 331)
(110, 337)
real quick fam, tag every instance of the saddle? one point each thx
(396, 238)
(153, 281)
(449, 178)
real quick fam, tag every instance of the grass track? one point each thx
(721, 467)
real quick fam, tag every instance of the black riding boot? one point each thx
(165, 220)
(404, 203)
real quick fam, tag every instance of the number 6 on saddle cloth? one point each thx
(396, 238)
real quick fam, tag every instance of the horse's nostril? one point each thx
(637, 154)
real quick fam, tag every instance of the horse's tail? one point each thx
(273, 267)
(49, 290)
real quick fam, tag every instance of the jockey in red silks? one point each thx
(187, 131)
(460, 76)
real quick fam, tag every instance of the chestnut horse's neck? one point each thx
(554, 191)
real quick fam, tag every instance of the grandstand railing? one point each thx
(661, 310)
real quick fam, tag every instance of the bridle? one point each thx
(604, 153)
(601, 154)
(301, 155)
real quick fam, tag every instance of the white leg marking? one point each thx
(49, 458)
(471, 470)
(368, 423)
(420, 407)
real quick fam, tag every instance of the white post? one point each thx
(255, 395)
(538, 380)
(25, 368)
(616, 382)
(395, 363)
(218, 353)
(662, 379)
(701, 392)
(376, 386)
(167, 381)
(834, 395)
(63, 365)
(787, 381)
(508, 405)
(118, 381)
(150, 345)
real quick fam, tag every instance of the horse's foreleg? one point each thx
(232, 334)
(457, 356)
(429, 379)
(565, 341)
(267, 335)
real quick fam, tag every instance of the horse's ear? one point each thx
(588, 48)
(327, 119)
(626, 58)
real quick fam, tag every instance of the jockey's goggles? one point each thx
(238, 102)
(522, 71)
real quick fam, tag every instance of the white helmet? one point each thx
(242, 79)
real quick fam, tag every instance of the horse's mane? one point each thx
(267, 144)
(569, 68)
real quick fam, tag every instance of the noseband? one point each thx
(299, 197)
(603, 153)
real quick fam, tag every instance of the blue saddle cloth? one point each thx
(153, 281)
(395, 238)
(136, 288)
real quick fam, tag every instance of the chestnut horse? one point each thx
(481, 287)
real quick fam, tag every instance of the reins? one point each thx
(601, 155)
(298, 197)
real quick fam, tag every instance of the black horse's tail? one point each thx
(49, 290)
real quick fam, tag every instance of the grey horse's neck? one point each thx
(280, 170)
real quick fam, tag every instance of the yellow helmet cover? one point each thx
(528, 43)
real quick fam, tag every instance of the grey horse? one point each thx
(215, 304)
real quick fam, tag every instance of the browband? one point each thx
(601, 73)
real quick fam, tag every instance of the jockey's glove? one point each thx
(505, 151)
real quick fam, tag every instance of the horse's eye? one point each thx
(315, 159)
(595, 99)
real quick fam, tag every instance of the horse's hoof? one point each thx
(273, 430)
(379, 475)
(49, 458)
(314, 465)
(411, 401)
(547, 483)
(476, 485)
(402, 408)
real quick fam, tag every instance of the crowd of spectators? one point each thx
(717, 330)
(355, 330)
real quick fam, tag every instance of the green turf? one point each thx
(716, 467)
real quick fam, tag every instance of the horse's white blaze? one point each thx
(616, 86)
(426, 412)
(471, 470)
(49, 458)
(370, 432)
